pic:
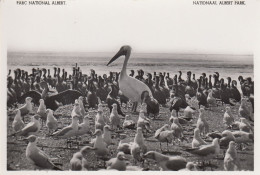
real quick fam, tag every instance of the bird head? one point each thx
(36, 117)
(191, 166)
(149, 155)
(215, 142)
(124, 50)
(228, 109)
(98, 132)
(139, 130)
(121, 156)
(107, 128)
(28, 99)
(196, 132)
(49, 112)
(31, 138)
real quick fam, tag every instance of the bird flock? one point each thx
(104, 126)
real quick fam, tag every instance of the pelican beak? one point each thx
(117, 55)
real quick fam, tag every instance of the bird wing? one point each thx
(36, 96)
(63, 131)
(176, 163)
(30, 127)
(66, 97)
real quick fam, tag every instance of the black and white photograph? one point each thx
(128, 85)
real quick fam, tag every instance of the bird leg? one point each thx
(167, 146)
(161, 146)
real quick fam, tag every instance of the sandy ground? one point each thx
(16, 158)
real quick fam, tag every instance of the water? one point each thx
(226, 65)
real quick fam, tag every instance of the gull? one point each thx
(135, 151)
(18, 123)
(114, 117)
(210, 99)
(68, 131)
(117, 163)
(245, 126)
(177, 129)
(228, 118)
(164, 134)
(99, 120)
(206, 152)
(242, 138)
(243, 110)
(188, 111)
(190, 166)
(202, 124)
(139, 139)
(31, 128)
(37, 157)
(42, 111)
(197, 141)
(107, 135)
(76, 109)
(27, 107)
(181, 119)
(76, 162)
(51, 122)
(84, 127)
(100, 145)
(231, 161)
(167, 163)
(227, 137)
(143, 122)
(81, 106)
(128, 122)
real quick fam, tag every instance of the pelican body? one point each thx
(130, 87)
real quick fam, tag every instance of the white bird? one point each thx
(245, 126)
(136, 152)
(84, 127)
(99, 120)
(197, 141)
(231, 161)
(164, 134)
(42, 111)
(181, 119)
(202, 124)
(188, 112)
(228, 118)
(76, 162)
(76, 109)
(114, 117)
(81, 106)
(206, 152)
(18, 123)
(100, 145)
(128, 122)
(227, 137)
(51, 122)
(143, 121)
(243, 110)
(27, 107)
(177, 129)
(31, 128)
(107, 135)
(243, 137)
(37, 157)
(130, 87)
(117, 163)
(68, 131)
(167, 163)
(210, 99)
(139, 139)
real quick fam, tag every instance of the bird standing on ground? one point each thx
(37, 157)
(167, 163)
(51, 122)
(18, 123)
(228, 118)
(202, 124)
(107, 135)
(139, 139)
(231, 161)
(84, 127)
(197, 141)
(128, 123)
(177, 129)
(27, 107)
(244, 111)
(76, 162)
(42, 111)
(114, 117)
(164, 134)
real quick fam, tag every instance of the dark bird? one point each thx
(152, 105)
(51, 101)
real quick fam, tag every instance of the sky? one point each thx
(148, 26)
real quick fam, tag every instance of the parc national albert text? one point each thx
(20, 2)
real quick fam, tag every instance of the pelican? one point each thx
(130, 87)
